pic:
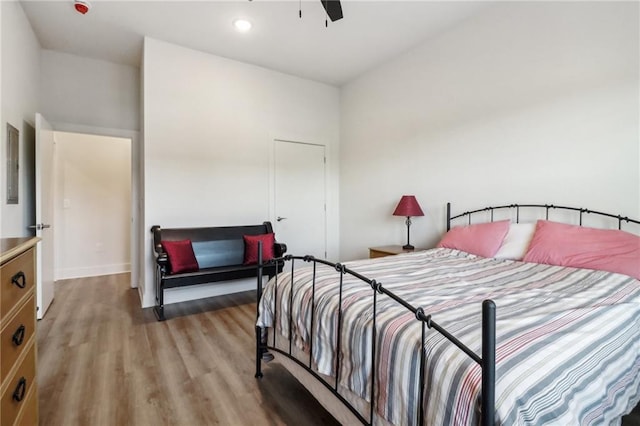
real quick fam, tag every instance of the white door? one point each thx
(44, 213)
(300, 207)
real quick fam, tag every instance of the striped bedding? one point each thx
(568, 340)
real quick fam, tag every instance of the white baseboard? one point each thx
(148, 300)
(183, 294)
(143, 303)
(92, 271)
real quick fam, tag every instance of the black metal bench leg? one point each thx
(159, 311)
(258, 352)
(159, 308)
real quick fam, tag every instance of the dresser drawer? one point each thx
(17, 273)
(29, 415)
(19, 387)
(16, 336)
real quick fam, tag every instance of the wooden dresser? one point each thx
(18, 389)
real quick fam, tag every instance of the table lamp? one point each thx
(408, 206)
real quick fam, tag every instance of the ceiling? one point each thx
(371, 33)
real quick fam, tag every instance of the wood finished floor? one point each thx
(104, 361)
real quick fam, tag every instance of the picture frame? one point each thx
(13, 164)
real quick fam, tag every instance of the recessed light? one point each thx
(242, 25)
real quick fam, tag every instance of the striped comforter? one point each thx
(568, 340)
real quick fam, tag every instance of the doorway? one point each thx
(93, 205)
(300, 197)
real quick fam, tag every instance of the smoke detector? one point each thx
(82, 6)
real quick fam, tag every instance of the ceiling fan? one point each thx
(333, 9)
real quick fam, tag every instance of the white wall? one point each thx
(90, 92)
(524, 102)
(209, 125)
(86, 95)
(92, 205)
(2, 122)
(20, 96)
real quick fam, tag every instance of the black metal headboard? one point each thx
(547, 207)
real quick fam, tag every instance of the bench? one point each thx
(219, 252)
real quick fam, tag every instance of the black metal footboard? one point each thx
(486, 361)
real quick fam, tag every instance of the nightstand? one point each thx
(383, 251)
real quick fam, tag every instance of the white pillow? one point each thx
(516, 242)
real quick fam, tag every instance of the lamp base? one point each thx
(408, 247)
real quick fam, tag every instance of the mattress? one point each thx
(567, 339)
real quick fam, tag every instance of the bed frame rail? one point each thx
(547, 207)
(486, 361)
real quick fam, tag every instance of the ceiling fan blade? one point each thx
(333, 8)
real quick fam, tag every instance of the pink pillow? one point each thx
(181, 256)
(483, 239)
(581, 247)
(251, 247)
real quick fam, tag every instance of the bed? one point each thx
(399, 341)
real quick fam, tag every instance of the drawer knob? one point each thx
(18, 394)
(19, 279)
(18, 336)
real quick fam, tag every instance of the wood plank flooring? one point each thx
(105, 361)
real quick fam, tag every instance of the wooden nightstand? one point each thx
(383, 251)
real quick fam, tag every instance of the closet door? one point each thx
(300, 197)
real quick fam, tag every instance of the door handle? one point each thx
(39, 226)
(18, 336)
(279, 219)
(18, 394)
(19, 279)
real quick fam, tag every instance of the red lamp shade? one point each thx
(408, 206)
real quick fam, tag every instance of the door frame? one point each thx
(272, 184)
(137, 236)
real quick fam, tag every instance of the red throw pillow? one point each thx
(181, 256)
(251, 247)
